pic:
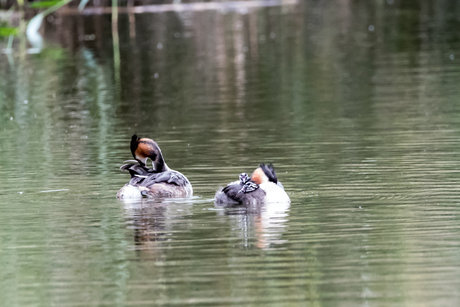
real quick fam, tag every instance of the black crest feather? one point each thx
(269, 172)
(134, 143)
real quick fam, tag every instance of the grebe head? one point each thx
(264, 173)
(143, 148)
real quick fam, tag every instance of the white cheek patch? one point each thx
(265, 179)
(143, 160)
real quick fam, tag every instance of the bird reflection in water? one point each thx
(262, 223)
(152, 222)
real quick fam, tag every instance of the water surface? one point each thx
(356, 105)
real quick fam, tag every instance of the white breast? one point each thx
(274, 193)
(129, 192)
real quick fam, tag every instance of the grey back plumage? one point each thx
(232, 193)
(146, 177)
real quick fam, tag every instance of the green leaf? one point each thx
(42, 4)
(7, 31)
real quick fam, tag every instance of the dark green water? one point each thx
(357, 104)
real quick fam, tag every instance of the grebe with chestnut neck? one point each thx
(261, 187)
(157, 182)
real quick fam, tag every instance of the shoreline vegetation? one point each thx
(24, 18)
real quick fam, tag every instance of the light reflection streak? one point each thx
(231, 6)
(264, 222)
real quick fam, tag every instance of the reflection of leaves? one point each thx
(82, 4)
(7, 31)
(34, 37)
(51, 53)
(42, 4)
(34, 24)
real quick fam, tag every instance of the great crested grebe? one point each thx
(161, 181)
(262, 187)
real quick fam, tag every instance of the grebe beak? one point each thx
(142, 160)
